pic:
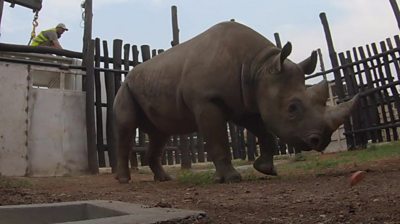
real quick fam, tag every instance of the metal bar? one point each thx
(40, 49)
(41, 63)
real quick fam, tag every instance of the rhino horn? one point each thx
(338, 114)
(319, 93)
(309, 64)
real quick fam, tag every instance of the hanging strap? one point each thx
(35, 23)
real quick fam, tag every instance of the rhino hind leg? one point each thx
(125, 124)
(155, 150)
(212, 124)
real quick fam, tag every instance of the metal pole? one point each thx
(396, 11)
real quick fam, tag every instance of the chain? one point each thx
(83, 13)
(35, 24)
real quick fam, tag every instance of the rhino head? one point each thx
(296, 114)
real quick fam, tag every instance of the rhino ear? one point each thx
(310, 63)
(280, 58)
(286, 50)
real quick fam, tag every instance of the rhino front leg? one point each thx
(212, 124)
(154, 154)
(268, 145)
(265, 162)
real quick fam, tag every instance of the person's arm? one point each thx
(57, 44)
(52, 35)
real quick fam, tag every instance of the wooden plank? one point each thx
(384, 77)
(135, 55)
(177, 153)
(396, 11)
(393, 90)
(192, 147)
(1, 10)
(126, 53)
(251, 146)
(373, 98)
(367, 117)
(277, 40)
(393, 61)
(380, 80)
(200, 148)
(90, 120)
(99, 107)
(175, 28)
(88, 23)
(186, 162)
(110, 94)
(358, 140)
(153, 53)
(117, 63)
(234, 139)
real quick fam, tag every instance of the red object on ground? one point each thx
(356, 177)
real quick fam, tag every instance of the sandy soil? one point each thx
(324, 198)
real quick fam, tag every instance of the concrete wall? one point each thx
(43, 123)
(13, 118)
(57, 132)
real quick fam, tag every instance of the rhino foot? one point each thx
(230, 177)
(264, 167)
(122, 180)
(162, 177)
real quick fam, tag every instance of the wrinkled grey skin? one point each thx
(228, 73)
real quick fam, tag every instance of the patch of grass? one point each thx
(7, 182)
(316, 163)
(196, 178)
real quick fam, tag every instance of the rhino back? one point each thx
(208, 67)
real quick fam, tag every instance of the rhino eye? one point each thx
(294, 109)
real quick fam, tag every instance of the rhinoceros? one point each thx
(227, 73)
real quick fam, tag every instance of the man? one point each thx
(50, 37)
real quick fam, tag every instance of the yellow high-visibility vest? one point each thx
(41, 38)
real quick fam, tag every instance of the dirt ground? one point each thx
(324, 198)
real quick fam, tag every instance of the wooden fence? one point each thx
(373, 71)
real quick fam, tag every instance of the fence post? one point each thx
(110, 94)
(338, 79)
(278, 40)
(175, 28)
(90, 121)
(117, 62)
(99, 106)
(396, 11)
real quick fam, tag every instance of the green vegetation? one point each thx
(308, 163)
(196, 178)
(7, 182)
(317, 163)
